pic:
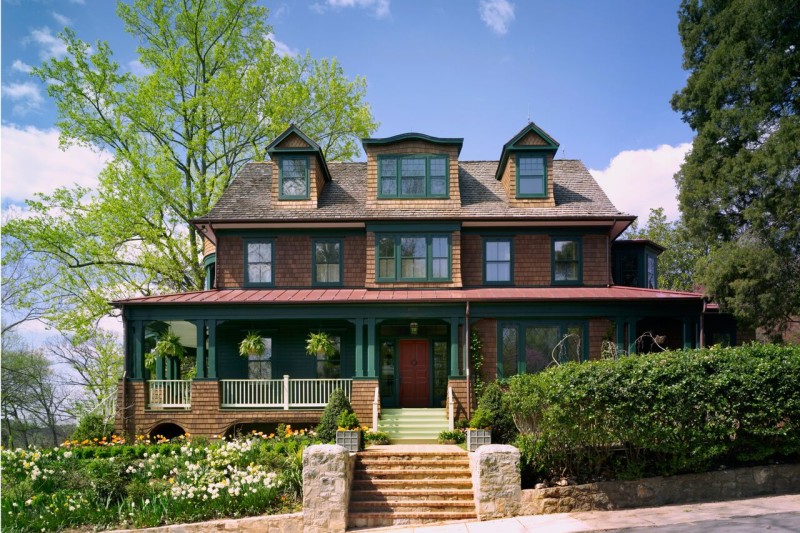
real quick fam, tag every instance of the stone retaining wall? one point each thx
(657, 491)
(279, 523)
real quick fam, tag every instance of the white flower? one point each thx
(147, 501)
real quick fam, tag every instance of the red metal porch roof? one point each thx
(344, 296)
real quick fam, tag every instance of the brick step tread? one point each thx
(454, 472)
(442, 515)
(470, 504)
(456, 460)
(412, 455)
(368, 494)
(414, 483)
(411, 466)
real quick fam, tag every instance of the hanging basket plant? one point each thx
(252, 344)
(319, 344)
(168, 346)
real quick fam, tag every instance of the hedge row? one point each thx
(659, 414)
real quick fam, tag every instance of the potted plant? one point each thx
(349, 434)
(252, 344)
(167, 345)
(320, 344)
(480, 430)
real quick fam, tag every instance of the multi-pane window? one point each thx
(413, 258)
(531, 176)
(566, 261)
(329, 366)
(258, 262)
(651, 272)
(497, 260)
(294, 177)
(531, 347)
(259, 366)
(412, 176)
(327, 262)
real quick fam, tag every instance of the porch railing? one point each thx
(169, 394)
(281, 393)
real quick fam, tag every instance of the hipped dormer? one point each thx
(412, 171)
(526, 168)
(299, 171)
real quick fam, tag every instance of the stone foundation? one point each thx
(658, 491)
(327, 478)
(496, 481)
(279, 523)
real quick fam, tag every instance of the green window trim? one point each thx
(487, 262)
(556, 262)
(386, 169)
(314, 264)
(284, 159)
(523, 174)
(262, 261)
(516, 332)
(389, 258)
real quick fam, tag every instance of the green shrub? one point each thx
(376, 437)
(337, 404)
(500, 420)
(659, 414)
(347, 420)
(92, 427)
(481, 419)
(451, 436)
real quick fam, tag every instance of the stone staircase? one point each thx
(398, 485)
(413, 425)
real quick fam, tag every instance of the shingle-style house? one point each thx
(396, 258)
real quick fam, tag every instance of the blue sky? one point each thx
(597, 76)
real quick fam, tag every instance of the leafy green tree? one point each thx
(676, 265)
(740, 184)
(215, 93)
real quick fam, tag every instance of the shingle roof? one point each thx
(343, 295)
(248, 197)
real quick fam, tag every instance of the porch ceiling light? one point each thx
(414, 328)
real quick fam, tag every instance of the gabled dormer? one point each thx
(412, 170)
(299, 171)
(526, 168)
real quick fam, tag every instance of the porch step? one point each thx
(399, 485)
(413, 425)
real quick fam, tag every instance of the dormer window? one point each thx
(413, 176)
(531, 176)
(293, 177)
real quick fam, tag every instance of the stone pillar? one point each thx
(327, 476)
(496, 481)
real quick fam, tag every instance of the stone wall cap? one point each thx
(325, 449)
(496, 448)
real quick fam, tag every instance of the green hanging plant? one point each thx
(320, 343)
(168, 345)
(252, 344)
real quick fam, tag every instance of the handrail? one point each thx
(281, 393)
(451, 423)
(376, 405)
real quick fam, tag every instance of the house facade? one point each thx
(397, 258)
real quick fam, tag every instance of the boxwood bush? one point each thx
(659, 414)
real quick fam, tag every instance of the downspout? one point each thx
(608, 254)
(466, 361)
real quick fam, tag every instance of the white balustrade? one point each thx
(281, 393)
(169, 394)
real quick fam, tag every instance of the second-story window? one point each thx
(497, 260)
(258, 263)
(413, 176)
(293, 178)
(531, 176)
(413, 258)
(566, 264)
(327, 262)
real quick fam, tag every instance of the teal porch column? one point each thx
(212, 348)
(359, 322)
(200, 326)
(687, 333)
(138, 349)
(454, 347)
(619, 324)
(371, 348)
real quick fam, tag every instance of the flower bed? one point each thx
(113, 484)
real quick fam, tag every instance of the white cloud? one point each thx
(50, 45)
(80, 2)
(137, 69)
(379, 8)
(21, 67)
(32, 162)
(639, 180)
(281, 48)
(27, 96)
(61, 19)
(497, 14)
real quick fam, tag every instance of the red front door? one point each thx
(414, 373)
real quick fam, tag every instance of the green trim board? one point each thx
(265, 258)
(396, 254)
(529, 171)
(327, 249)
(412, 136)
(430, 172)
(283, 181)
(494, 259)
(530, 343)
(561, 263)
(416, 226)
